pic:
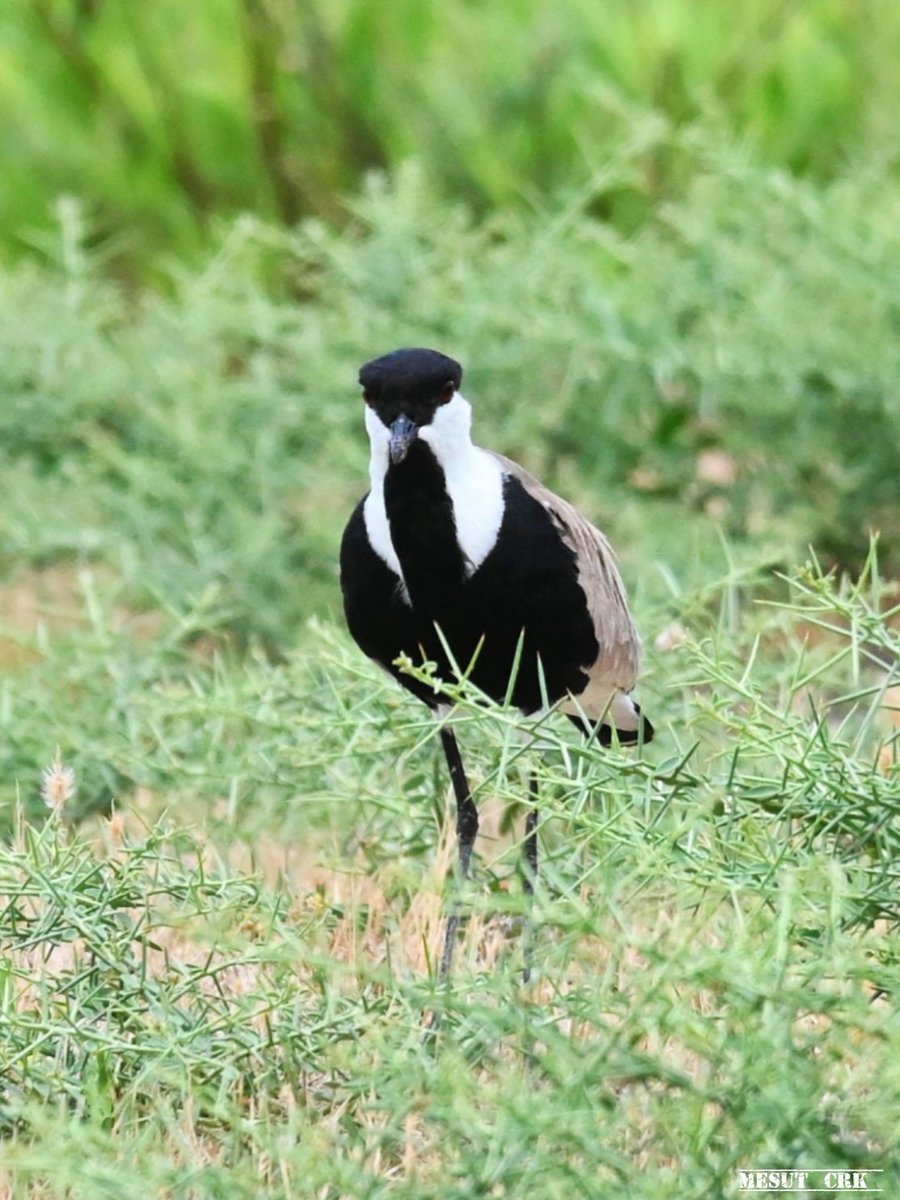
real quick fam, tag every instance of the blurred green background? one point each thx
(663, 238)
(167, 118)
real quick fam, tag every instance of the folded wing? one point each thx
(613, 673)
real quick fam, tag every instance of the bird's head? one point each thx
(404, 391)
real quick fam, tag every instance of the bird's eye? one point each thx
(447, 392)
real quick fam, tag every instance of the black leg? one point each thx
(466, 832)
(531, 842)
(531, 866)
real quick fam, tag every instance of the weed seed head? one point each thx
(57, 784)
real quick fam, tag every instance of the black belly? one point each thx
(525, 590)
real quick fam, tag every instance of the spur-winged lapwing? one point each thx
(457, 548)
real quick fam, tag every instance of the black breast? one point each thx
(526, 590)
(420, 514)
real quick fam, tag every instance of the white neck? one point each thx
(450, 433)
(474, 483)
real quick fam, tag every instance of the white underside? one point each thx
(603, 701)
(474, 481)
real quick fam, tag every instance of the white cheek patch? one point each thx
(474, 480)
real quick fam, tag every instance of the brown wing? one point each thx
(616, 666)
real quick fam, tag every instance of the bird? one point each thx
(459, 557)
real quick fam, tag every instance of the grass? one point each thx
(228, 994)
(218, 955)
(167, 120)
(205, 447)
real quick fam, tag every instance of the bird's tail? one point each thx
(625, 717)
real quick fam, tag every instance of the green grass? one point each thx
(167, 118)
(217, 960)
(206, 447)
(715, 935)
